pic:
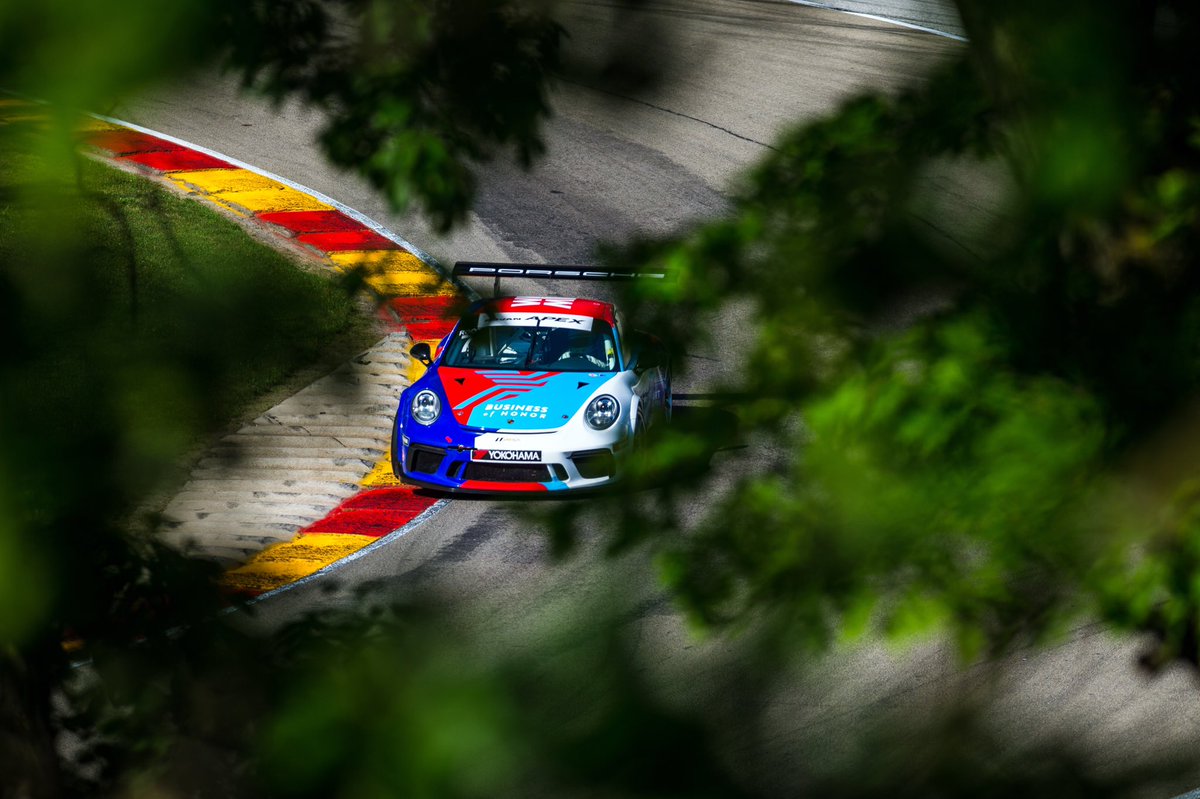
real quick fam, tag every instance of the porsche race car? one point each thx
(531, 394)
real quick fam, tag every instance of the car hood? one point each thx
(511, 400)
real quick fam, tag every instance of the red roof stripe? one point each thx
(560, 305)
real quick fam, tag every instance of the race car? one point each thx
(531, 394)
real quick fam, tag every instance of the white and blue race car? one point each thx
(530, 394)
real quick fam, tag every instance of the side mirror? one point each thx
(422, 353)
(649, 356)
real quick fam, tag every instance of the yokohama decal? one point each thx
(510, 455)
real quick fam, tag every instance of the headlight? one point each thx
(426, 407)
(602, 412)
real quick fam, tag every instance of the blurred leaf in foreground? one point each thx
(135, 323)
(949, 380)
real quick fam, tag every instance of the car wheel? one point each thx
(637, 447)
(669, 401)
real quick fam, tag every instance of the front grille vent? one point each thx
(594, 463)
(507, 472)
(425, 460)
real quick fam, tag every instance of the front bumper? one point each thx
(566, 462)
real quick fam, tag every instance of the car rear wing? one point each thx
(551, 272)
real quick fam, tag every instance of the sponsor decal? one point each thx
(508, 455)
(513, 401)
(550, 271)
(528, 319)
(512, 410)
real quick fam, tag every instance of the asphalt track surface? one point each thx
(645, 163)
(934, 16)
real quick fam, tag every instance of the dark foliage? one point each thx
(951, 400)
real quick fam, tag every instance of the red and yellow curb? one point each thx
(415, 298)
(418, 299)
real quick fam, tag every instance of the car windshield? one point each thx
(523, 347)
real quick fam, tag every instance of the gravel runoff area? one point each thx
(309, 482)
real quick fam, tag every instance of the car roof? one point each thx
(573, 306)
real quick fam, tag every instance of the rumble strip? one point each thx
(307, 484)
